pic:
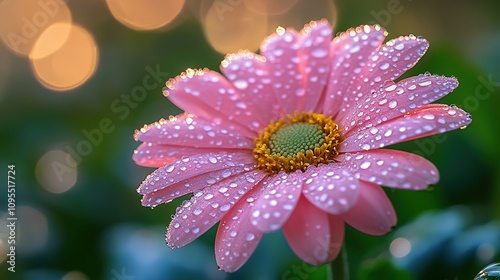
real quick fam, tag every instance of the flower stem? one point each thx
(339, 267)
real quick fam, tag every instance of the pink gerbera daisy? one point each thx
(291, 139)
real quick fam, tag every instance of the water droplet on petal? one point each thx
(393, 104)
(399, 46)
(365, 165)
(300, 92)
(384, 66)
(425, 83)
(250, 236)
(241, 84)
(170, 168)
(319, 52)
(428, 117)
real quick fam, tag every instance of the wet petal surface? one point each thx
(330, 188)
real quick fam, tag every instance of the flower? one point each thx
(292, 139)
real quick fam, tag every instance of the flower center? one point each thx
(291, 145)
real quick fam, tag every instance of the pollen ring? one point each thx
(295, 143)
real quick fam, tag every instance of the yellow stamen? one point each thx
(278, 149)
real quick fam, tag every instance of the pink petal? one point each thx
(307, 231)
(152, 155)
(350, 52)
(283, 64)
(315, 58)
(391, 168)
(393, 100)
(331, 188)
(195, 183)
(236, 238)
(373, 214)
(428, 120)
(248, 74)
(208, 95)
(389, 62)
(207, 206)
(187, 130)
(191, 173)
(277, 201)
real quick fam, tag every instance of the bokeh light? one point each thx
(231, 28)
(70, 65)
(80, 218)
(51, 40)
(269, 7)
(234, 25)
(22, 22)
(303, 12)
(400, 247)
(485, 252)
(33, 230)
(56, 171)
(146, 14)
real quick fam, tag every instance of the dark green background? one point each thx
(100, 229)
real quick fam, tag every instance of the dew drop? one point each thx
(226, 173)
(390, 88)
(300, 92)
(384, 66)
(354, 49)
(223, 190)
(365, 165)
(393, 104)
(250, 236)
(241, 84)
(428, 117)
(365, 147)
(425, 83)
(319, 53)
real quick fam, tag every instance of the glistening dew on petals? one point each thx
(294, 138)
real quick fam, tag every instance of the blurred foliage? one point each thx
(100, 230)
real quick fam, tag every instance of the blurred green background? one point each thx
(81, 218)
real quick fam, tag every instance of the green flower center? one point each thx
(296, 138)
(303, 139)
